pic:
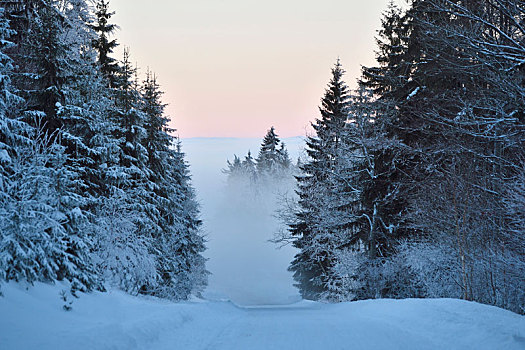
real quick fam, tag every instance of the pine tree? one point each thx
(316, 231)
(272, 161)
(392, 84)
(268, 154)
(235, 169)
(44, 60)
(13, 134)
(249, 167)
(42, 224)
(177, 243)
(181, 266)
(284, 157)
(108, 65)
(40, 57)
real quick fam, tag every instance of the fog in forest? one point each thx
(238, 223)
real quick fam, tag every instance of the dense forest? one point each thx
(94, 188)
(414, 184)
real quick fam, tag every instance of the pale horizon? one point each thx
(235, 68)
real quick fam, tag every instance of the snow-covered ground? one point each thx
(249, 271)
(34, 319)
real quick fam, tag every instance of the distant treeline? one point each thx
(272, 165)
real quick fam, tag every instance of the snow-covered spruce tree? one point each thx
(123, 258)
(235, 170)
(152, 185)
(391, 83)
(43, 59)
(175, 239)
(100, 88)
(352, 177)
(90, 159)
(92, 134)
(158, 140)
(103, 44)
(249, 167)
(11, 130)
(13, 135)
(318, 229)
(391, 77)
(71, 75)
(272, 169)
(272, 160)
(267, 159)
(124, 167)
(448, 108)
(242, 175)
(392, 154)
(284, 158)
(181, 266)
(131, 117)
(84, 114)
(131, 135)
(41, 221)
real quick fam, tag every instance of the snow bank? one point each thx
(34, 319)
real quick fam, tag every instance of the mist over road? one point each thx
(245, 267)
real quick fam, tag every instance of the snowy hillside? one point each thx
(34, 319)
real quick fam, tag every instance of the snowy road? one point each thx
(34, 319)
(411, 324)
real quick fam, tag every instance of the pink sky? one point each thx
(233, 68)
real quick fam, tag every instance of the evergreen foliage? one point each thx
(318, 229)
(413, 185)
(103, 44)
(93, 188)
(421, 200)
(272, 160)
(271, 170)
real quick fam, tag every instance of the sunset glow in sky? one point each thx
(233, 68)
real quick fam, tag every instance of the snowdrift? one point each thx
(34, 318)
